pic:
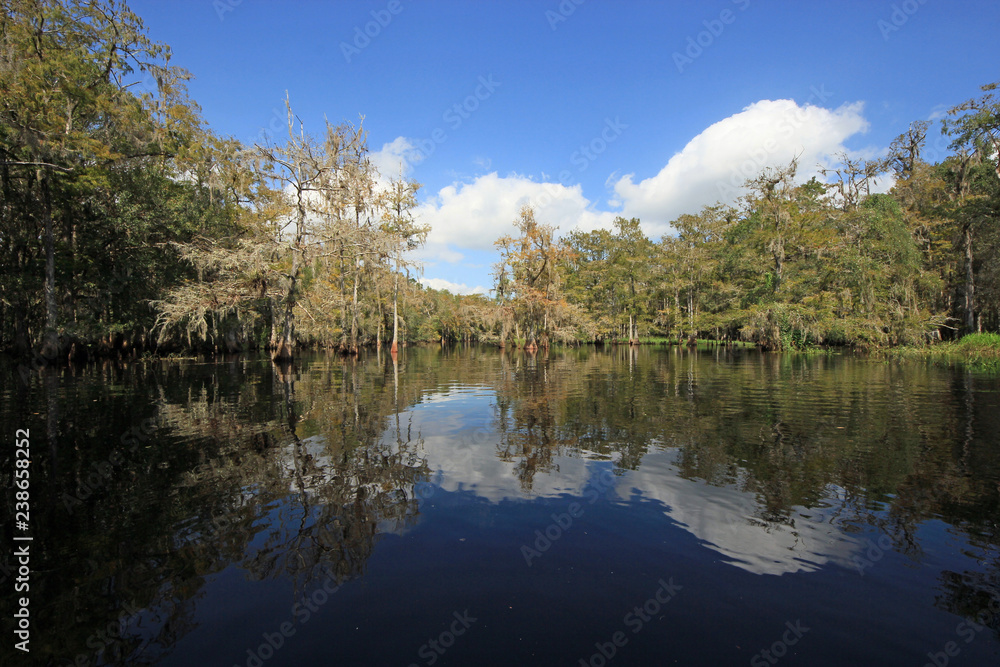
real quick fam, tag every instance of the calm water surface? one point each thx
(470, 507)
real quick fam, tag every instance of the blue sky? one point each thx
(585, 109)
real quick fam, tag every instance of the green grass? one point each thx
(985, 345)
(654, 340)
(977, 350)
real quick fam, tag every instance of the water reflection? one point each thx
(775, 465)
(315, 485)
(729, 521)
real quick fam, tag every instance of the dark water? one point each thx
(467, 507)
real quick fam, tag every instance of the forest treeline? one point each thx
(127, 224)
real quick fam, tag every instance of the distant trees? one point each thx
(397, 203)
(794, 264)
(317, 188)
(528, 281)
(974, 177)
(609, 271)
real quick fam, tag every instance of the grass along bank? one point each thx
(980, 349)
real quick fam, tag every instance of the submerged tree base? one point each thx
(283, 352)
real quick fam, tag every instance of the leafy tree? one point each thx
(695, 252)
(80, 154)
(404, 234)
(528, 278)
(975, 178)
(587, 268)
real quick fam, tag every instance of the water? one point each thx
(470, 507)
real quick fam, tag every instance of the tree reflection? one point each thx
(872, 440)
(288, 473)
(973, 595)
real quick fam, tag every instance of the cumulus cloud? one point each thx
(393, 159)
(470, 215)
(713, 165)
(454, 288)
(473, 215)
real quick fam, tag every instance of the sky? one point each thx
(584, 109)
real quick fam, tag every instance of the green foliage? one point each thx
(609, 274)
(90, 172)
(980, 346)
(978, 351)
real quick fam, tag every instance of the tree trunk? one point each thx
(50, 344)
(970, 287)
(285, 348)
(395, 327)
(677, 317)
(395, 312)
(691, 312)
(354, 315)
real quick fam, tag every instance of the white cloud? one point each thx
(475, 214)
(472, 215)
(393, 158)
(713, 165)
(729, 521)
(454, 288)
(432, 252)
(938, 112)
